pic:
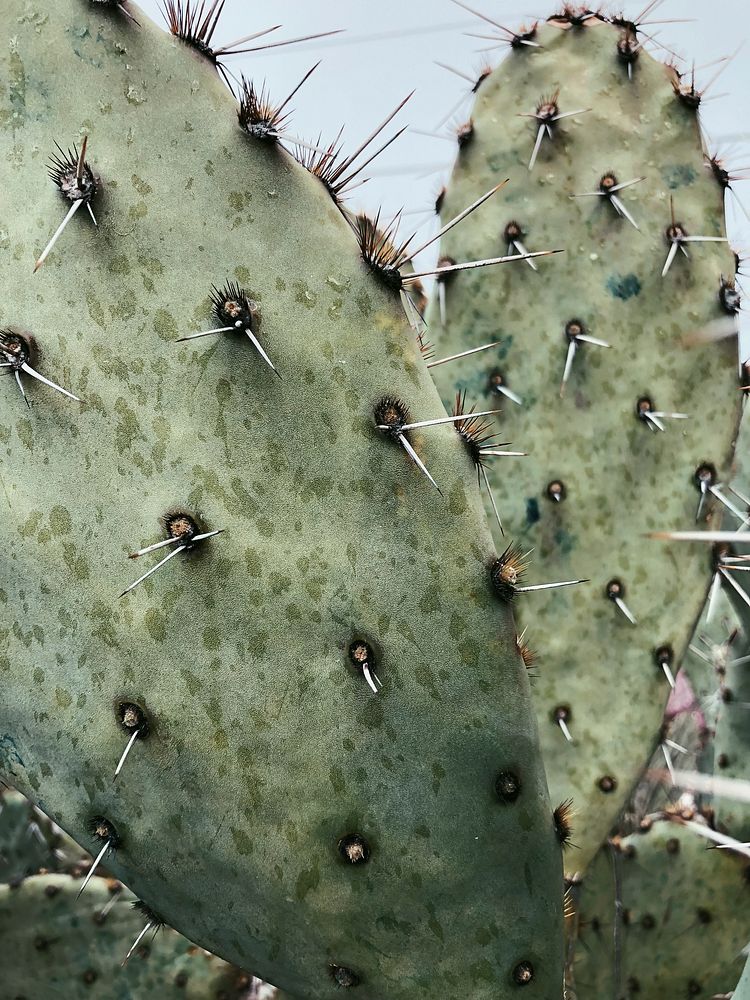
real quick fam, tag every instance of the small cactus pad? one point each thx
(335, 662)
(600, 472)
(682, 924)
(72, 948)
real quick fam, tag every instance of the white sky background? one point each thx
(391, 47)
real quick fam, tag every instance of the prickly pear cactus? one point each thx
(743, 987)
(26, 840)
(333, 776)
(624, 425)
(76, 947)
(682, 919)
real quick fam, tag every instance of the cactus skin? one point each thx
(621, 479)
(743, 987)
(26, 838)
(686, 918)
(51, 938)
(266, 746)
(732, 736)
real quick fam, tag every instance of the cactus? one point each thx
(273, 807)
(743, 987)
(603, 466)
(682, 918)
(76, 948)
(26, 839)
(30, 842)
(724, 691)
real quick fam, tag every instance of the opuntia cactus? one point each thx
(661, 916)
(74, 948)
(331, 742)
(626, 427)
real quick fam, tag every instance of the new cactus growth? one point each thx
(625, 427)
(261, 745)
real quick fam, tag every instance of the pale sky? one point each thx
(392, 47)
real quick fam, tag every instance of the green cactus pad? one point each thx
(75, 948)
(743, 987)
(266, 747)
(598, 476)
(684, 919)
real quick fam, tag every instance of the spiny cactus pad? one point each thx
(249, 655)
(683, 922)
(600, 473)
(74, 948)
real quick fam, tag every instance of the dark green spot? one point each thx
(623, 286)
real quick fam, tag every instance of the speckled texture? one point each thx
(685, 919)
(621, 478)
(265, 746)
(64, 946)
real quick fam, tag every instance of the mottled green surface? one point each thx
(265, 747)
(743, 987)
(685, 919)
(622, 479)
(59, 947)
(25, 838)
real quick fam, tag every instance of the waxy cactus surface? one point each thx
(276, 806)
(626, 432)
